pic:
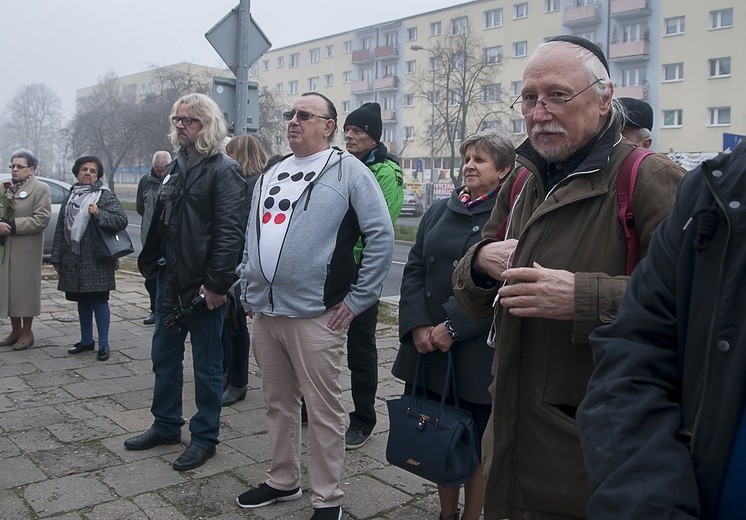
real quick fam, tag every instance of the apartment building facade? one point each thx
(684, 57)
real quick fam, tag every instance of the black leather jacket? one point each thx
(664, 403)
(198, 227)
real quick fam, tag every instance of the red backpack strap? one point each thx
(625, 189)
(515, 189)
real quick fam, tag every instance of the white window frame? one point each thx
(715, 114)
(634, 76)
(551, 6)
(517, 126)
(314, 55)
(347, 46)
(460, 25)
(678, 118)
(436, 28)
(410, 67)
(716, 66)
(493, 55)
(516, 87)
(674, 26)
(517, 47)
(721, 19)
(408, 100)
(493, 18)
(676, 68)
(408, 133)
(280, 62)
(278, 88)
(391, 38)
(265, 64)
(328, 80)
(411, 33)
(293, 86)
(294, 60)
(346, 105)
(347, 76)
(520, 11)
(330, 50)
(491, 93)
(313, 83)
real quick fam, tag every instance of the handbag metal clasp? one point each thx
(423, 420)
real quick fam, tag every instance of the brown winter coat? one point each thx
(21, 256)
(533, 462)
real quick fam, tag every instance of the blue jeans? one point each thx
(167, 352)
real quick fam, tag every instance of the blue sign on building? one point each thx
(730, 141)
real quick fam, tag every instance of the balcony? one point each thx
(386, 83)
(633, 91)
(388, 116)
(361, 86)
(580, 15)
(362, 56)
(629, 51)
(629, 8)
(387, 51)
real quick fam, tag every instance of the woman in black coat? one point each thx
(430, 320)
(85, 279)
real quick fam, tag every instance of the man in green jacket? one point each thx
(362, 130)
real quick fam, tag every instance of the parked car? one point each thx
(412, 204)
(59, 191)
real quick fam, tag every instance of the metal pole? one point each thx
(432, 136)
(242, 68)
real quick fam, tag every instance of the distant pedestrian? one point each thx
(638, 121)
(147, 196)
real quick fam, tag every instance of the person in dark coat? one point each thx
(85, 279)
(431, 321)
(662, 425)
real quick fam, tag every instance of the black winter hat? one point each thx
(586, 44)
(368, 118)
(639, 113)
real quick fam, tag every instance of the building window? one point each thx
(347, 46)
(388, 134)
(278, 88)
(433, 97)
(434, 63)
(491, 93)
(293, 87)
(280, 62)
(517, 126)
(493, 55)
(721, 18)
(329, 51)
(314, 55)
(254, 70)
(673, 118)
(515, 88)
(410, 67)
(265, 64)
(367, 43)
(432, 131)
(551, 6)
(313, 83)
(674, 25)
(634, 76)
(673, 72)
(719, 116)
(456, 96)
(389, 70)
(493, 18)
(460, 25)
(411, 33)
(347, 76)
(458, 61)
(346, 105)
(520, 10)
(634, 32)
(520, 49)
(391, 38)
(328, 80)
(435, 29)
(719, 67)
(294, 60)
(408, 100)
(491, 123)
(591, 36)
(408, 133)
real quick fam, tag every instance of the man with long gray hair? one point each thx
(193, 251)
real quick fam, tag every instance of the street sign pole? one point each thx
(242, 68)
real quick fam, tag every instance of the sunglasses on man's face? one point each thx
(302, 115)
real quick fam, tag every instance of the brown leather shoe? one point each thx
(9, 340)
(23, 345)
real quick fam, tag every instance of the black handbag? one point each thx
(431, 439)
(109, 245)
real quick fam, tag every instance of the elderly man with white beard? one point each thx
(560, 272)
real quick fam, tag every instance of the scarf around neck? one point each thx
(76, 212)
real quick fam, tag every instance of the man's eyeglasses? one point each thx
(302, 115)
(185, 120)
(17, 166)
(551, 104)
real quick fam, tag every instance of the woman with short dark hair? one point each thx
(84, 278)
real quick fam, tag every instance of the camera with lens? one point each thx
(174, 321)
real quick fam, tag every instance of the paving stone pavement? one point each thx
(63, 419)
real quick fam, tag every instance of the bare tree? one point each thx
(33, 119)
(462, 82)
(272, 129)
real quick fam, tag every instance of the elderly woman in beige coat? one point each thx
(24, 215)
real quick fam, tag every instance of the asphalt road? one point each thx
(390, 286)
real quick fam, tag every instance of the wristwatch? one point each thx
(450, 330)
